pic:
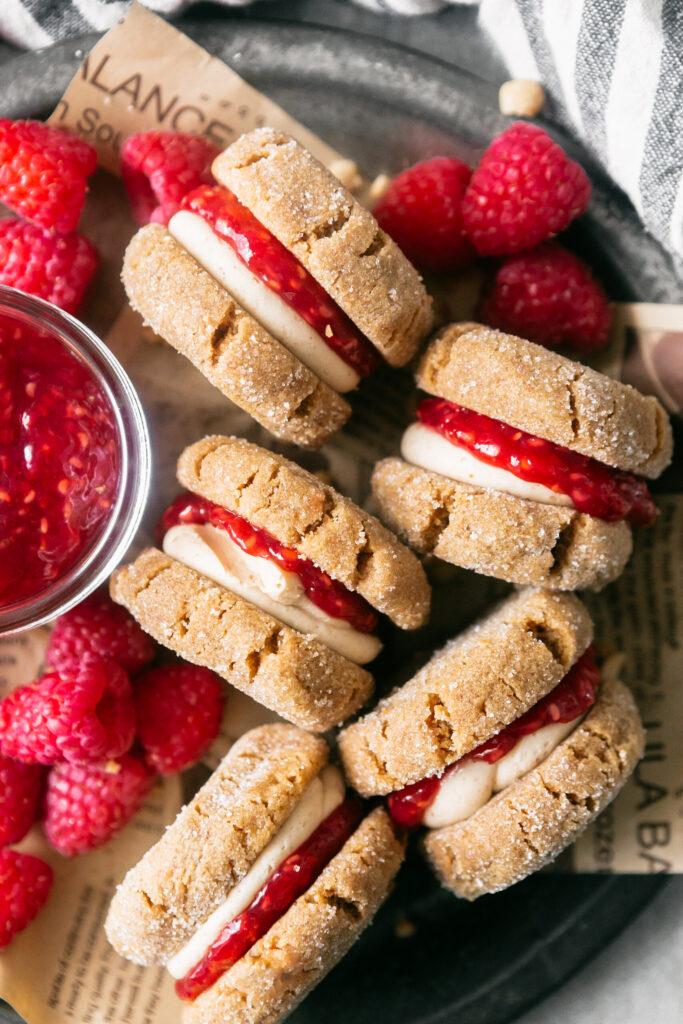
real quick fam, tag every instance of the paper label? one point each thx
(145, 75)
(21, 658)
(642, 831)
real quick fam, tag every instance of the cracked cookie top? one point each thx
(545, 394)
(336, 239)
(291, 673)
(469, 690)
(304, 513)
(196, 315)
(213, 842)
(497, 534)
(272, 978)
(528, 824)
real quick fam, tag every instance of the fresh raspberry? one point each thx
(549, 296)
(179, 711)
(57, 268)
(422, 211)
(98, 626)
(159, 168)
(25, 884)
(21, 789)
(43, 173)
(86, 805)
(524, 190)
(82, 713)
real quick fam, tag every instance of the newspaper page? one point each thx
(81, 978)
(642, 831)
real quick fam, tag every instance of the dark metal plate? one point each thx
(481, 963)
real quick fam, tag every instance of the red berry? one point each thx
(43, 173)
(549, 296)
(25, 884)
(98, 626)
(524, 190)
(21, 789)
(422, 211)
(57, 268)
(86, 805)
(179, 711)
(159, 168)
(82, 713)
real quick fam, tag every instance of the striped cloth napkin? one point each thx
(613, 70)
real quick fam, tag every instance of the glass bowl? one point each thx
(114, 533)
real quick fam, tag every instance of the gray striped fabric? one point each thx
(613, 71)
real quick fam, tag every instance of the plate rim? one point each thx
(191, 25)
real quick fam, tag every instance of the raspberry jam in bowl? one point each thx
(74, 461)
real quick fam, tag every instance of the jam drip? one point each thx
(328, 594)
(572, 697)
(290, 880)
(279, 270)
(593, 487)
(59, 462)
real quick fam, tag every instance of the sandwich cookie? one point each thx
(274, 580)
(504, 746)
(525, 465)
(262, 883)
(279, 287)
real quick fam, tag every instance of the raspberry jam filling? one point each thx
(279, 270)
(328, 594)
(59, 462)
(593, 487)
(572, 697)
(289, 881)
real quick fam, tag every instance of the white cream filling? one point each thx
(212, 552)
(428, 449)
(471, 784)
(530, 751)
(462, 792)
(284, 323)
(325, 793)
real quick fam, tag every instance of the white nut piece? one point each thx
(378, 187)
(520, 97)
(348, 173)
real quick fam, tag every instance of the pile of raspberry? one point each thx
(44, 175)
(524, 191)
(82, 746)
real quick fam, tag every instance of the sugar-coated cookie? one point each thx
(262, 883)
(274, 580)
(279, 287)
(503, 747)
(521, 465)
